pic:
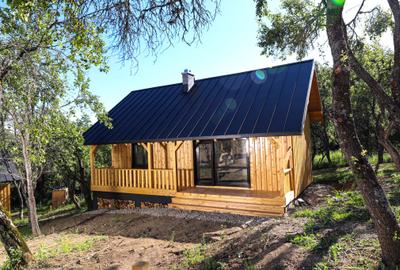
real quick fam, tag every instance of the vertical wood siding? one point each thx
(266, 162)
(5, 196)
(302, 158)
(121, 156)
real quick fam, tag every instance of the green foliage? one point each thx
(103, 156)
(194, 256)
(13, 262)
(294, 29)
(308, 241)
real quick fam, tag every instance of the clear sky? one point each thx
(229, 46)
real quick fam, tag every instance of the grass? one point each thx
(338, 160)
(65, 246)
(198, 256)
(45, 212)
(324, 233)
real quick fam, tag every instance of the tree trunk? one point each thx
(380, 157)
(21, 198)
(12, 240)
(85, 184)
(374, 197)
(383, 137)
(33, 219)
(71, 194)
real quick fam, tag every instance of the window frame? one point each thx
(134, 153)
(215, 166)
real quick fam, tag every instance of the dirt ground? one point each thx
(118, 239)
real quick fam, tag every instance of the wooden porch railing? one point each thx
(141, 181)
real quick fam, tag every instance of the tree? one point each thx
(13, 242)
(43, 44)
(307, 21)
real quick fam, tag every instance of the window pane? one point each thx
(205, 160)
(231, 160)
(139, 159)
(232, 176)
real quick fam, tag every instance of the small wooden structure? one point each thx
(8, 174)
(238, 143)
(59, 197)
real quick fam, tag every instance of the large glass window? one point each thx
(139, 156)
(222, 163)
(231, 162)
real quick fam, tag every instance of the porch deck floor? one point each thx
(232, 192)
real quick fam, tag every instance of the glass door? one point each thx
(232, 165)
(204, 163)
(222, 163)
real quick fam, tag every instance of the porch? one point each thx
(255, 175)
(160, 182)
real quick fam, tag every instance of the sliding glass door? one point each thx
(223, 163)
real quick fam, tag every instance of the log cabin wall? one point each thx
(163, 155)
(266, 162)
(302, 156)
(121, 156)
(5, 196)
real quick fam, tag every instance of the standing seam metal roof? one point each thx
(266, 102)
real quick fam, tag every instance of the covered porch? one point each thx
(154, 178)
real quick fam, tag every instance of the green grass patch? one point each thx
(338, 160)
(45, 212)
(336, 175)
(308, 241)
(65, 246)
(197, 256)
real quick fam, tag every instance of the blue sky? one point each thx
(229, 46)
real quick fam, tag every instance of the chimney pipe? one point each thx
(187, 80)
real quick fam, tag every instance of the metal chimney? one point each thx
(187, 80)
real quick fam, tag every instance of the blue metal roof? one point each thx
(266, 102)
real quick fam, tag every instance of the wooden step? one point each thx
(278, 213)
(276, 201)
(226, 205)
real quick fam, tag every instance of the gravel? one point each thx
(185, 214)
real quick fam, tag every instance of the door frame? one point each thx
(214, 167)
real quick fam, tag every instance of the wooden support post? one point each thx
(92, 154)
(150, 167)
(177, 145)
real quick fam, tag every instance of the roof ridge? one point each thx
(230, 74)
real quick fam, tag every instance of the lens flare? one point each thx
(339, 3)
(258, 76)
(230, 104)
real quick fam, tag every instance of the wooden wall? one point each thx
(162, 155)
(267, 156)
(5, 196)
(302, 157)
(121, 156)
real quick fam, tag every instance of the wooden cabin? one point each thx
(238, 143)
(8, 175)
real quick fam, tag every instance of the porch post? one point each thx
(92, 153)
(150, 162)
(177, 145)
